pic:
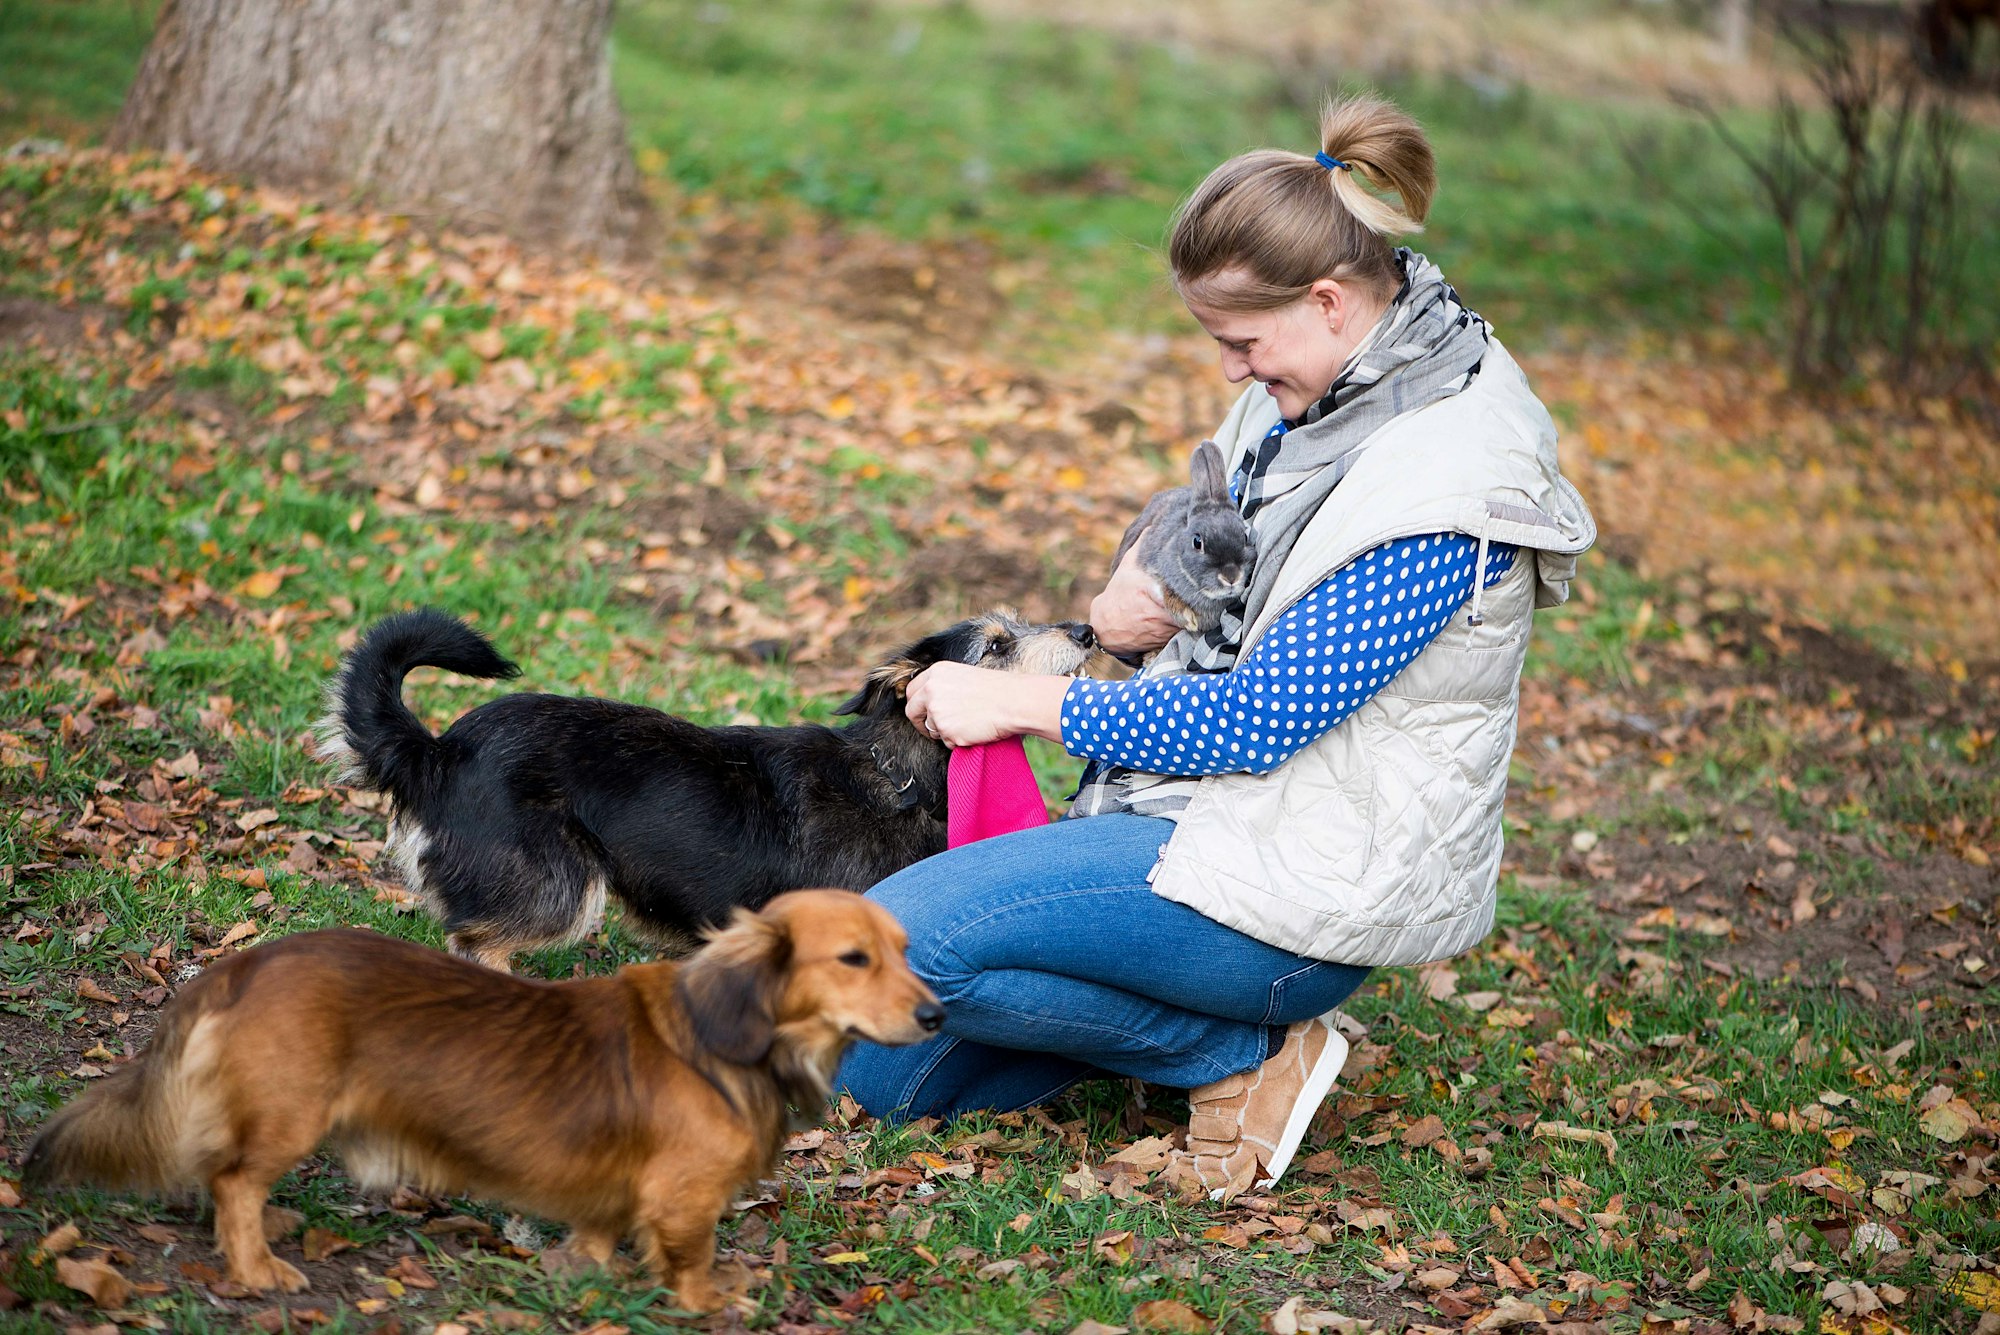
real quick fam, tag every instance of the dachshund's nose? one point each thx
(931, 1016)
(1083, 635)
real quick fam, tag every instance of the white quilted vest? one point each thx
(1380, 842)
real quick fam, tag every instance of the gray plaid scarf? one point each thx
(1427, 347)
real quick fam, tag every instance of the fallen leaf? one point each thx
(1440, 983)
(104, 1285)
(1976, 1288)
(1949, 1121)
(1423, 1131)
(411, 1272)
(1564, 1131)
(1146, 1155)
(1170, 1315)
(62, 1240)
(262, 584)
(1510, 1312)
(320, 1243)
(90, 991)
(1083, 1182)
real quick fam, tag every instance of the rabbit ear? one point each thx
(1206, 471)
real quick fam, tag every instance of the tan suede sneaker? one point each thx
(1243, 1131)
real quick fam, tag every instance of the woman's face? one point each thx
(1294, 351)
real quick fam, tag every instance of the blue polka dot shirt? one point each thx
(1328, 655)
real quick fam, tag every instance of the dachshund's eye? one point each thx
(1197, 542)
(1000, 645)
(856, 959)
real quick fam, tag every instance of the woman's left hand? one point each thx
(965, 706)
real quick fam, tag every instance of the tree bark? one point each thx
(489, 113)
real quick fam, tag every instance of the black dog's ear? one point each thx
(887, 683)
(730, 988)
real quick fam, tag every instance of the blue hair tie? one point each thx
(1331, 163)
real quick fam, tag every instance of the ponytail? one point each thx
(1266, 225)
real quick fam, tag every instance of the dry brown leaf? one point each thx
(1587, 1135)
(1439, 981)
(411, 1272)
(60, 1241)
(1950, 1121)
(320, 1243)
(1169, 1314)
(262, 584)
(1423, 1131)
(1510, 1312)
(1146, 1155)
(97, 1279)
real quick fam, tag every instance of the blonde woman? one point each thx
(1313, 789)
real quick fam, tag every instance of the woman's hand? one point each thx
(1128, 616)
(964, 706)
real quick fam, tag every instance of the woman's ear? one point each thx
(730, 988)
(1330, 303)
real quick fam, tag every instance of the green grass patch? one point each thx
(1065, 150)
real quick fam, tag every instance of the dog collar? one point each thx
(904, 779)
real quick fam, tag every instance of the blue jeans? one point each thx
(1055, 961)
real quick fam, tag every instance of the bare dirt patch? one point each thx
(1910, 932)
(50, 325)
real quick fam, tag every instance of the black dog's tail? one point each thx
(368, 731)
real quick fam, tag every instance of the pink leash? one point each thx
(990, 789)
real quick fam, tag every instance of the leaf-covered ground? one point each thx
(1725, 1065)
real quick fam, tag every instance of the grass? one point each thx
(1065, 150)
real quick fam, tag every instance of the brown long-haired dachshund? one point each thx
(638, 1103)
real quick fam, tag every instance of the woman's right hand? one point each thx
(1128, 616)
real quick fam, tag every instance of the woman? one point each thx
(1315, 787)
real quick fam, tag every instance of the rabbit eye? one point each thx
(1197, 542)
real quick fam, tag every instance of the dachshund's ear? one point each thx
(884, 690)
(730, 988)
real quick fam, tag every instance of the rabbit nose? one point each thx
(1084, 636)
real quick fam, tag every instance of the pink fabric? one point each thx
(990, 789)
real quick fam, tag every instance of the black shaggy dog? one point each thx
(516, 822)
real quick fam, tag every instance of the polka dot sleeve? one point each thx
(1325, 657)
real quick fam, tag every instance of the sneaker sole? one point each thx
(1319, 1081)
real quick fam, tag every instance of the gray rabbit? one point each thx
(1192, 540)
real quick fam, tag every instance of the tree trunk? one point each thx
(491, 113)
